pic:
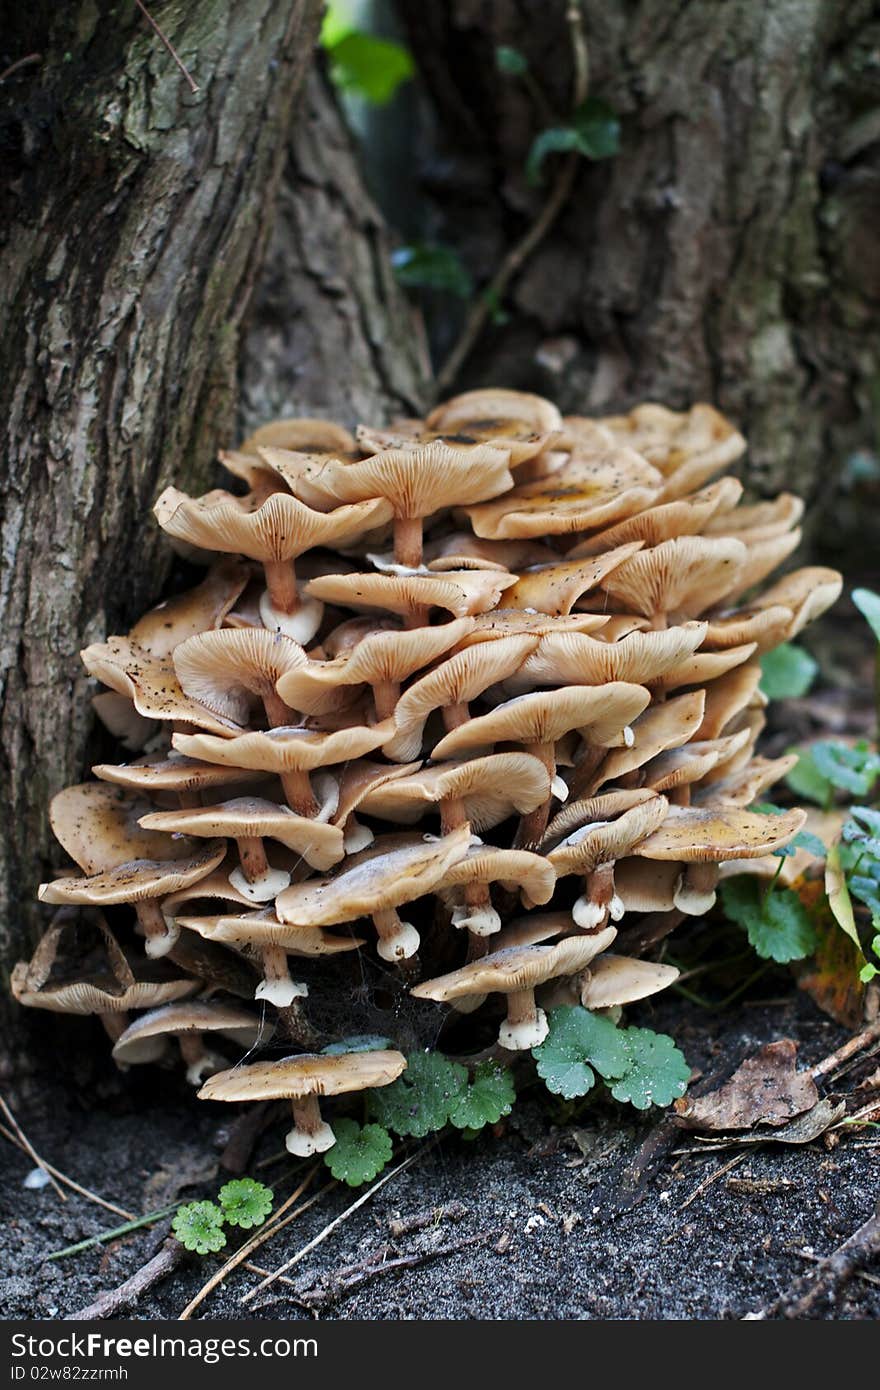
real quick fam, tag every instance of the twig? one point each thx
(346, 1280)
(168, 44)
(343, 1216)
(20, 63)
(519, 254)
(713, 1177)
(25, 1143)
(835, 1060)
(431, 1216)
(107, 1305)
(150, 1219)
(63, 1177)
(830, 1277)
(266, 1232)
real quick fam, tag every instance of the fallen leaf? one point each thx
(802, 1130)
(831, 977)
(766, 1089)
(838, 896)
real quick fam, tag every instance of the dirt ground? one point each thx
(541, 1214)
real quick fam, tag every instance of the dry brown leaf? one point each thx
(766, 1089)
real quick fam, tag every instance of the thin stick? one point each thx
(25, 1143)
(107, 1305)
(713, 1177)
(265, 1233)
(347, 1280)
(20, 63)
(150, 1219)
(832, 1274)
(168, 44)
(849, 1049)
(343, 1216)
(518, 254)
(63, 1177)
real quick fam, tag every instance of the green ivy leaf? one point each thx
(245, 1202)
(199, 1227)
(853, 769)
(359, 1154)
(367, 66)
(360, 1042)
(777, 923)
(422, 1099)
(490, 1095)
(577, 1042)
(657, 1074)
(430, 266)
(510, 61)
(868, 604)
(805, 779)
(594, 132)
(787, 672)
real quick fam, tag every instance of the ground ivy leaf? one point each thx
(777, 922)
(853, 769)
(430, 266)
(359, 1154)
(658, 1073)
(787, 672)
(199, 1227)
(422, 1099)
(805, 779)
(245, 1202)
(578, 1042)
(370, 67)
(490, 1095)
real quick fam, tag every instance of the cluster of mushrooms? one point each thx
(458, 707)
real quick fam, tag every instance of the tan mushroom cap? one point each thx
(762, 558)
(474, 552)
(461, 593)
(259, 929)
(507, 622)
(512, 868)
(248, 817)
(556, 588)
(388, 655)
(98, 826)
(765, 627)
(661, 727)
(455, 681)
(591, 490)
(156, 772)
(151, 683)
(135, 880)
(119, 716)
(685, 517)
(647, 885)
(310, 435)
(490, 789)
(640, 657)
(510, 970)
(214, 885)
(688, 446)
(680, 767)
(701, 668)
(808, 592)
(229, 670)
(601, 713)
(728, 696)
(89, 997)
(307, 1074)
(536, 927)
(286, 749)
(693, 834)
(144, 1039)
(615, 980)
(602, 842)
(761, 521)
(197, 610)
(746, 784)
(279, 528)
(682, 577)
(375, 880)
(524, 423)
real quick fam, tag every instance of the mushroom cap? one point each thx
(536, 927)
(135, 880)
(761, 521)
(143, 1039)
(684, 576)
(615, 980)
(808, 592)
(244, 817)
(98, 826)
(507, 622)
(305, 1075)
(286, 748)
(512, 868)
(226, 670)
(762, 558)
(361, 777)
(89, 996)
(258, 929)
(688, 447)
(639, 658)
(511, 969)
(684, 517)
(490, 788)
(728, 696)
(746, 784)
(196, 610)
(151, 683)
(473, 552)
(701, 668)
(693, 834)
(601, 713)
(663, 726)
(522, 422)
(555, 588)
(156, 772)
(308, 434)
(584, 849)
(462, 592)
(765, 627)
(386, 655)
(119, 716)
(679, 767)
(378, 878)
(215, 885)
(279, 528)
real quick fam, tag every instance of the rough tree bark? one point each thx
(155, 307)
(729, 252)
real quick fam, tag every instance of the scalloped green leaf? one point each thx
(578, 1045)
(657, 1074)
(245, 1202)
(489, 1095)
(423, 1098)
(777, 923)
(360, 1152)
(199, 1227)
(787, 672)
(805, 779)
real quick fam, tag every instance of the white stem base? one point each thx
(559, 788)
(519, 1037)
(386, 564)
(616, 909)
(281, 993)
(303, 1145)
(691, 901)
(301, 625)
(158, 946)
(355, 836)
(265, 890)
(588, 915)
(403, 944)
(482, 921)
(205, 1066)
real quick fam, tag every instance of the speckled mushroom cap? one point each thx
(384, 876)
(144, 1039)
(262, 928)
(461, 593)
(602, 713)
(522, 422)
(746, 785)
(509, 970)
(98, 826)
(602, 842)
(286, 748)
(640, 657)
(489, 788)
(158, 772)
(151, 683)
(615, 980)
(161, 629)
(512, 868)
(507, 622)
(688, 447)
(556, 588)
(94, 996)
(135, 880)
(229, 670)
(305, 1075)
(694, 834)
(245, 817)
(309, 434)
(685, 517)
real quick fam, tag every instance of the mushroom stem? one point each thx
(355, 835)
(194, 1053)
(532, 826)
(679, 796)
(455, 715)
(256, 878)
(114, 1024)
(276, 985)
(161, 934)
(277, 712)
(398, 940)
(584, 779)
(385, 697)
(453, 813)
(188, 799)
(695, 890)
(408, 541)
(252, 857)
(310, 1135)
(477, 914)
(281, 583)
(599, 901)
(526, 1025)
(416, 617)
(299, 794)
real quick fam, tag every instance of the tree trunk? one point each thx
(728, 253)
(135, 219)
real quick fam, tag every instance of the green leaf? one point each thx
(430, 266)
(867, 973)
(787, 672)
(805, 839)
(510, 61)
(359, 1154)
(577, 1042)
(805, 779)
(367, 66)
(490, 1095)
(657, 1074)
(853, 769)
(360, 1042)
(598, 129)
(498, 315)
(199, 1226)
(868, 604)
(777, 923)
(423, 1098)
(245, 1202)
(556, 140)
(839, 899)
